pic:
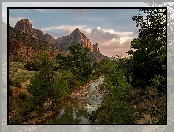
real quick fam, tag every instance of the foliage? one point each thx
(80, 62)
(18, 74)
(16, 119)
(38, 61)
(146, 67)
(62, 62)
(149, 58)
(77, 62)
(118, 103)
(26, 106)
(117, 108)
(102, 67)
(22, 96)
(41, 84)
(15, 82)
(48, 83)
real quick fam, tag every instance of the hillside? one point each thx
(24, 45)
(35, 39)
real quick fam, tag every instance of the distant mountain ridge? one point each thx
(25, 26)
(61, 43)
(23, 45)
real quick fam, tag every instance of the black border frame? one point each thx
(8, 8)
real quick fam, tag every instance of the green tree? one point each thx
(62, 62)
(80, 63)
(42, 84)
(116, 108)
(149, 57)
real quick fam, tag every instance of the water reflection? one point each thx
(78, 109)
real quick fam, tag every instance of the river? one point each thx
(79, 107)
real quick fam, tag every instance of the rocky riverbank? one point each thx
(77, 108)
(82, 94)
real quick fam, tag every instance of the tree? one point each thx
(80, 63)
(42, 84)
(149, 57)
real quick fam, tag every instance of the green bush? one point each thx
(160, 82)
(26, 106)
(117, 108)
(120, 112)
(15, 82)
(16, 119)
(48, 83)
(39, 87)
(32, 66)
(22, 96)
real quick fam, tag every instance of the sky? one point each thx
(112, 29)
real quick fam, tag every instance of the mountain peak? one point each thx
(26, 21)
(77, 29)
(24, 25)
(77, 32)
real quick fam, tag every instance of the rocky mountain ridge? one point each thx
(25, 26)
(22, 46)
(62, 43)
(76, 37)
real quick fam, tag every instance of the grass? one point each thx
(149, 106)
(19, 102)
(18, 74)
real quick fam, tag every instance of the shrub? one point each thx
(32, 66)
(22, 96)
(16, 119)
(160, 82)
(15, 83)
(26, 106)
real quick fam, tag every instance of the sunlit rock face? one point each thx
(75, 37)
(25, 41)
(63, 42)
(26, 26)
(48, 38)
(95, 48)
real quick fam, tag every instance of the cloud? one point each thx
(56, 35)
(95, 19)
(97, 35)
(118, 32)
(63, 27)
(63, 30)
(77, 14)
(110, 42)
(113, 52)
(115, 47)
(108, 36)
(83, 11)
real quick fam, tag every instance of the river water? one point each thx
(79, 107)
